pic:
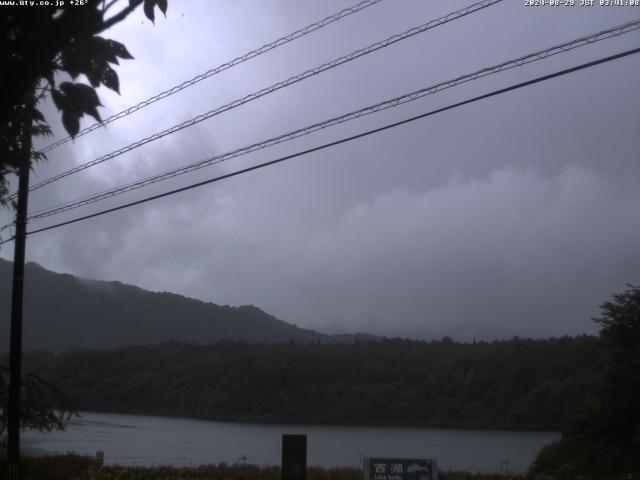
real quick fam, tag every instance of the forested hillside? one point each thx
(64, 312)
(528, 384)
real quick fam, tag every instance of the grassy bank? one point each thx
(76, 467)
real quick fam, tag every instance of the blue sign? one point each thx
(400, 469)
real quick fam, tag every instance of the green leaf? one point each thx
(83, 94)
(95, 114)
(94, 76)
(87, 93)
(66, 87)
(37, 116)
(58, 99)
(101, 49)
(39, 156)
(81, 99)
(71, 122)
(73, 60)
(110, 79)
(162, 5)
(91, 57)
(148, 9)
(119, 49)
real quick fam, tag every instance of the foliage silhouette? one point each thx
(36, 45)
(44, 407)
(519, 384)
(604, 438)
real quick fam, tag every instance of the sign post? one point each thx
(294, 457)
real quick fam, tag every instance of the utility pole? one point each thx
(15, 347)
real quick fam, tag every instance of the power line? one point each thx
(343, 140)
(390, 103)
(277, 86)
(220, 68)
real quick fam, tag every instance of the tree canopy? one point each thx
(605, 438)
(523, 384)
(36, 45)
(44, 407)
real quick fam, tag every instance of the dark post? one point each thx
(294, 457)
(15, 347)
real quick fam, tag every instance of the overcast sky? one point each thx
(515, 215)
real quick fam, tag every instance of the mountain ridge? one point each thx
(63, 312)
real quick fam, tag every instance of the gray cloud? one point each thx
(516, 213)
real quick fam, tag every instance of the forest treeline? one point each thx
(515, 384)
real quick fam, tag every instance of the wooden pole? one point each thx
(15, 347)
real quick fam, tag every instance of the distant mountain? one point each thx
(64, 312)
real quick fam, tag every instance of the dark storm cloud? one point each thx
(516, 215)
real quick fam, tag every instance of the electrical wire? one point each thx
(220, 68)
(277, 86)
(390, 103)
(343, 140)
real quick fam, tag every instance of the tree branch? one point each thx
(118, 17)
(108, 6)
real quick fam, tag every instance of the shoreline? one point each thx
(292, 423)
(146, 440)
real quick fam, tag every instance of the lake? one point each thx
(144, 440)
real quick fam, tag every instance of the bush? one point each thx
(56, 467)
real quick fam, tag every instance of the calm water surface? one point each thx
(142, 440)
